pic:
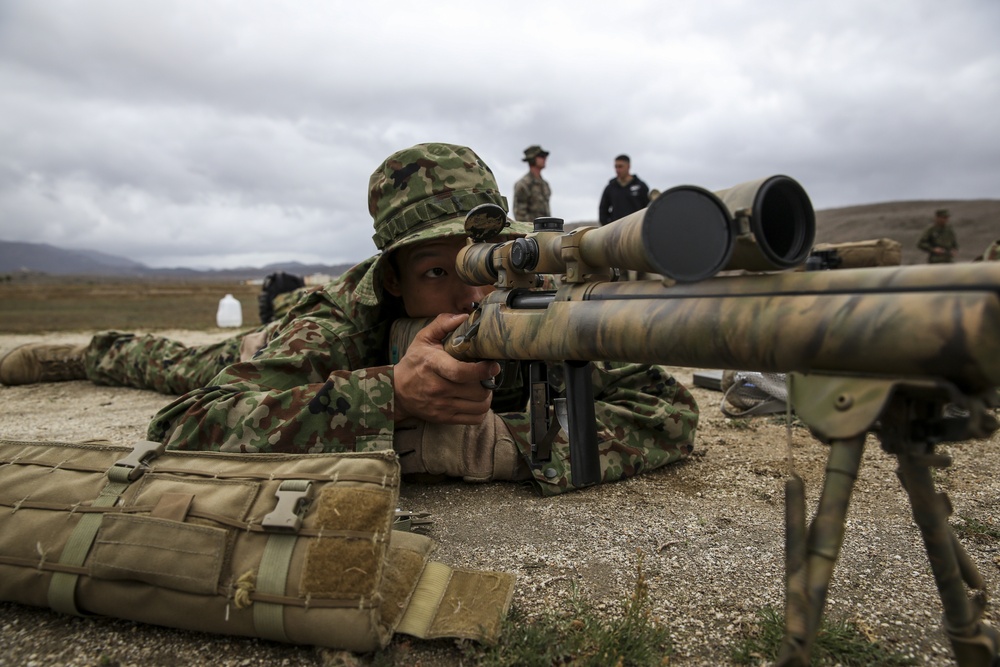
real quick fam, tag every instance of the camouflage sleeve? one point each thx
(521, 196)
(283, 302)
(925, 241)
(293, 396)
(645, 420)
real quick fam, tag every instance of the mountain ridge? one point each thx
(976, 223)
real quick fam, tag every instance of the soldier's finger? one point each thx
(441, 326)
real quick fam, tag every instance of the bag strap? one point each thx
(62, 586)
(292, 494)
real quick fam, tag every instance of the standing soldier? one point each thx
(939, 241)
(532, 192)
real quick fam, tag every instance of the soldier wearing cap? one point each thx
(322, 379)
(938, 240)
(532, 192)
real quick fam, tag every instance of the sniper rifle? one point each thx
(911, 354)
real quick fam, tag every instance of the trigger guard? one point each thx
(495, 381)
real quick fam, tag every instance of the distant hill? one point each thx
(976, 223)
(42, 258)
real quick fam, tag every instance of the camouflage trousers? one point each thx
(153, 362)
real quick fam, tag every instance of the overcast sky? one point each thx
(214, 134)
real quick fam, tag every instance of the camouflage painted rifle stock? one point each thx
(880, 350)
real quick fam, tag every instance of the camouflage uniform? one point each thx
(324, 382)
(532, 193)
(531, 198)
(938, 236)
(153, 362)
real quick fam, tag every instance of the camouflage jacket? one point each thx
(324, 383)
(938, 237)
(531, 198)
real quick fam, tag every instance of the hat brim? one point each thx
(369, 289)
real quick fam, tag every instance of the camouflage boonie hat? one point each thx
(531, 152)
(423, 193)
(942, 213)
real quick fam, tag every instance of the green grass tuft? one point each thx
(579, 636)
(973, 529)
(837, 643)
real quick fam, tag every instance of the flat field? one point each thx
(51, 303)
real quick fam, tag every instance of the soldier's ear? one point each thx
(390, 279)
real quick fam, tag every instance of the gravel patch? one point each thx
(709, 533)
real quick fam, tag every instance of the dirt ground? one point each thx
(709, 530)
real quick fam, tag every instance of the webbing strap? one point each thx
(426, 599)
(268, 617)
(62, 587)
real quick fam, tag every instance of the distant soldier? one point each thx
(624, 194)
(939, 241)
(532, 192)
(992, 253)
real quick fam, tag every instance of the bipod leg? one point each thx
(807, 590)
(974, 643)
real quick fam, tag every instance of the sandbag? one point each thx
(293, 548)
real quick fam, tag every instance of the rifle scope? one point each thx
(777, 225)
(686, 234)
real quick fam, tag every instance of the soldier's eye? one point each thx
(436, 272)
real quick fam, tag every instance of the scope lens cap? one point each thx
(689, 233)
(484, 222)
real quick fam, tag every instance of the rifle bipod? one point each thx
(909, 419)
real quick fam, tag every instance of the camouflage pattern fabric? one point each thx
(938, 237)
(282, 303)
(153, 362)
(531, 198)
(324, 383)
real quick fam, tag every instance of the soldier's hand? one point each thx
(433, 386)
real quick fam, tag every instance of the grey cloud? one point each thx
(217, 132)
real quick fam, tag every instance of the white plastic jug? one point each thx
(230, 312)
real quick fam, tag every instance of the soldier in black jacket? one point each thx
(624, 194)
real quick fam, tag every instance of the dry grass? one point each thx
(95, 304)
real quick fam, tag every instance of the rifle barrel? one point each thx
(920, 321)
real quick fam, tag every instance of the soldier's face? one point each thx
(427, 282)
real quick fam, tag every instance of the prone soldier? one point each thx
(320, 378)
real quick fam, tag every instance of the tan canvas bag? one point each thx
(871, 252)
(294, 548)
